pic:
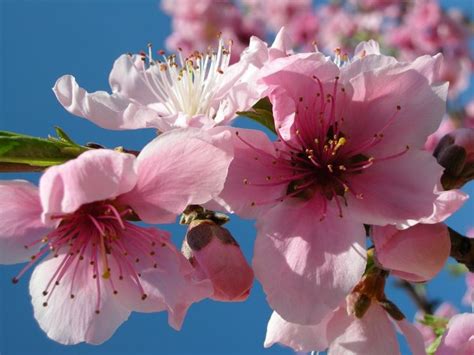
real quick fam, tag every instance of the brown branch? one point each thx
(418, 297)
(19, 168)
(462, 249)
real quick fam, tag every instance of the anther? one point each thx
(144, 296)
(72, 296)
(45, 293)
(252, 204)
(15, 280)
(45, 304)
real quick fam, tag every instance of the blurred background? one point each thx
(44, 39)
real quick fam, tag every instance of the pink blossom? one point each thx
(342, 30)
(213, 251)
(196, 24)
(343, 333)
(459, 337)
(426, 29)
(415, 254)
(343, 144)
(96, 266)
(371, 5)
(200, 91)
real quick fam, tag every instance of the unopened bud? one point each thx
(214, 252)
(455, 152)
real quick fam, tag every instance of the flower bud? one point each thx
(213, 251)
(455, 152)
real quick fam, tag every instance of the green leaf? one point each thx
(262, 113)
(36, 152)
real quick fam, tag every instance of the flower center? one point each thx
(187, 85)
(321, 159)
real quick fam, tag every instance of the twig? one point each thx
(462, 249)
(418, 297)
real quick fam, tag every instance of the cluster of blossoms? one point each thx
(407, 28)
(343, 194)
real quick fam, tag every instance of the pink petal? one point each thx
(377, 93)
(396, 190)
(20, 221)
(254, 155)
(413, 337)
(110, 111)
(415, 254)
(179, 168)
(447, 202)
(71, 321)
(296, 336)
(128, 80)
(292, 77)
(95, 175)
(374, 334)
(307, 266)
(167, 279)
(459, 338)
(281, 45)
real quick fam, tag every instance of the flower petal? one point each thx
(71, 321)
(413, 337)
(296, 336)
(386, 94)
(373, 334)
(396, 190)
(107, 111)
(253, 163)
(458, 339)
(128, 80)
(20, 221)
(95, 175)
(415, 254)
(179, 168)
(307, 266)
(166, 277)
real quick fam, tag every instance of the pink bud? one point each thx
(212, 250)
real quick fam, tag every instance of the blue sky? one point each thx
(42, 40)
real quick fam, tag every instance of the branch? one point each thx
(418, 297)
(19, 168)
(462, 249)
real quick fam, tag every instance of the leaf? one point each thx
(36, 152)
(262, 113)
